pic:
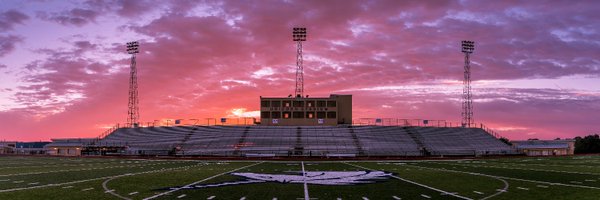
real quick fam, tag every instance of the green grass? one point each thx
(89, 178)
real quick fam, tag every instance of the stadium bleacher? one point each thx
(321, 141)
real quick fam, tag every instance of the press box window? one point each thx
(276, 104)
(298, 103)
(321, 104)
(321, 115)
(287, 115)
(331, 115)
(287, 103)
(265, 104)
(276, 115)
(331, 104)
(298, 115)
(265, 114)
(310, 115)
(310, 104)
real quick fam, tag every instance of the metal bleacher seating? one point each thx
(322, 141)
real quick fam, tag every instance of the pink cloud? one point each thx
(8, 43)
(198, 63)
(75, 17)
(11, 17)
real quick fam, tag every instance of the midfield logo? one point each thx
(313, 177)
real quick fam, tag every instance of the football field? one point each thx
(100, 178)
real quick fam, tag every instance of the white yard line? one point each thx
(500, 191)
(306, 197)
(200, 181)
(409, 181)
(576, 182)
(517, 168)
(516, 179)
(78, 181)
(73, 170)
(522, 188)
(112, 192)
(106, 190)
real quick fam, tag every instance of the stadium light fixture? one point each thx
(299, 34)
(468, 46)
(133, 47)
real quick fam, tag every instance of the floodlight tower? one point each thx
(299, 35)
(467, 104)
(133, 114)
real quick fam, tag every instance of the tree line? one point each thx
(587, 144)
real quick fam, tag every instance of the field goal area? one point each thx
(576, 177)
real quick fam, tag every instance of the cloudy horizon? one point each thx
(64, 69)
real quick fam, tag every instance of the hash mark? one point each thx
(522, 188)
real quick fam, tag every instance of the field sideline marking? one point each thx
(77, 170)
(306, 197)
(409, 181)
(82, 181)
(517, 168)
(516, 179)
(68, 183)
(200, 181)
(112, 192)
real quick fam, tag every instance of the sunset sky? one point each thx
(64, 69)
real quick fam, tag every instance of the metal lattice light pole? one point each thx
(133, 114)
(299, 35)
(467, 105)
